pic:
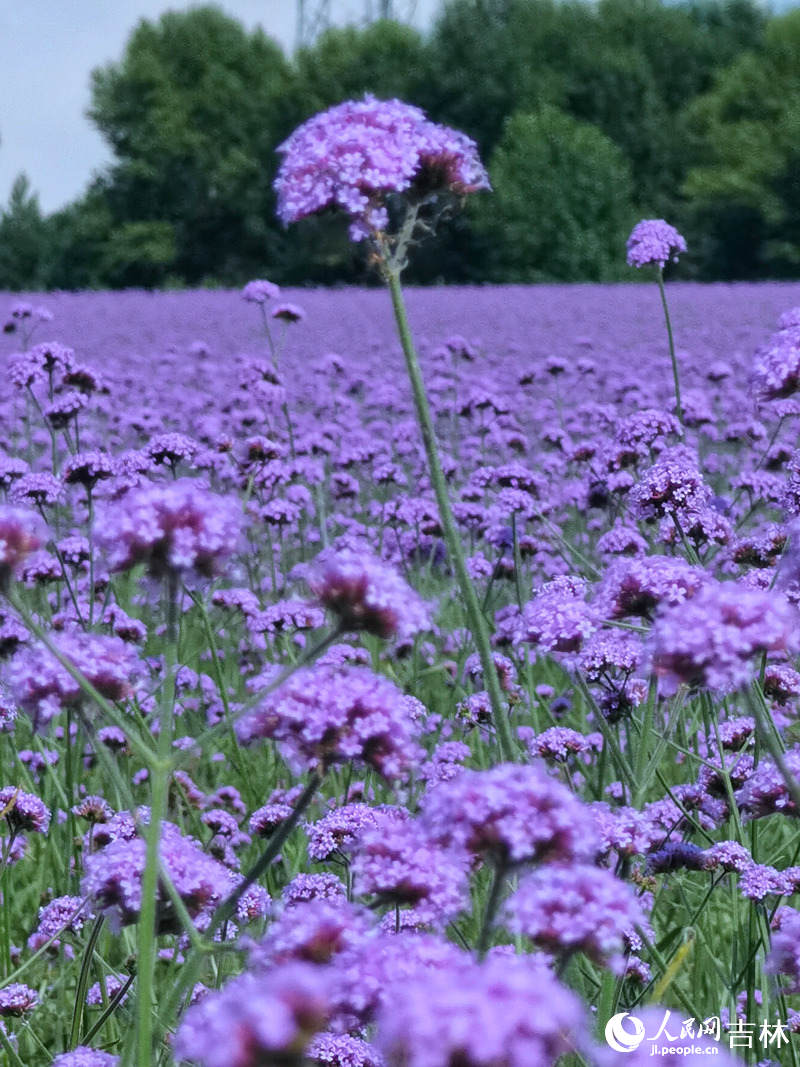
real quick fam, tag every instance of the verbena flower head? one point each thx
(43, 687)
(313, 931)
(342, 1050)
(509, 1011)
(397, 862)
(711, 639)
(82, 1056)
(654, 242)
(24, 811)
(260, 291)
(256, 1019)
(21, 532)
(325, 715)
(17, 999)
(355, 154)
(784, 957)
(175, 526)
(574, 908)
(367, 594)
(513, 813)
(113, 879)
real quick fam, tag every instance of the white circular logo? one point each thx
(620, 1039)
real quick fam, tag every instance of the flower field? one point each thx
(257, 806)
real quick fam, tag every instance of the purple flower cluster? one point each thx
(325, 715)
(654, 242)
(710, 640)
(367, 595)
(174, 527)
(355, 154)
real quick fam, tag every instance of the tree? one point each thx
(561, 207)
(747, 182)
(23, 239)
(193, 112)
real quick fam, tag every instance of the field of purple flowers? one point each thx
(226, 600)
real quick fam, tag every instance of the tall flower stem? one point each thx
(475, 617)
(672, 356)
(159, 776)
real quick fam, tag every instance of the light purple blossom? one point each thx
(367, 594)
(356, 153)
(322, 716)
(178, 526)
(654, 242)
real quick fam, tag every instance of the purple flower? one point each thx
(304, 887)
(355, 154)
(88, 468)
(574, 908)
(322, 716)
(313, 930)
(366, 594)
(764, 792)
(341, 1050)
(21, 532)
(43, 687)
(38, 488)
(112, 984)
(86, 1057)
(113, 879)
(288, 313)
(17, 999)
(256, 1018)
(638, 586)
(260, 291)
(398, 863)
(711, 639)
(672, 486)
(23, 811)
(514, 814)
(654, 241)
(179, 526)
(558, 619)
(338, 831)
(784, 956)
(508, 1011)
(559, 743)
(364, 973)
(60, 916)
(676, 856)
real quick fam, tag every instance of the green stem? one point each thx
(159, 777)
(672, 356)
(83, 982)
(475, 617)
(492, 904)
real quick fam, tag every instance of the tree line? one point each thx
(588, 115)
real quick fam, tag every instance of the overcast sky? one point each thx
(48, 48)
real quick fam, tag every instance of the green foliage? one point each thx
(562, 205)
(193, 112)
(22, 239)
(748, 177)
(699, 98)
(386, 59)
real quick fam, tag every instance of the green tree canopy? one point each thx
(746, 187)
(22, 239)
(562, 202)
(193, 112)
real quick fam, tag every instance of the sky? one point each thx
(49, 47)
